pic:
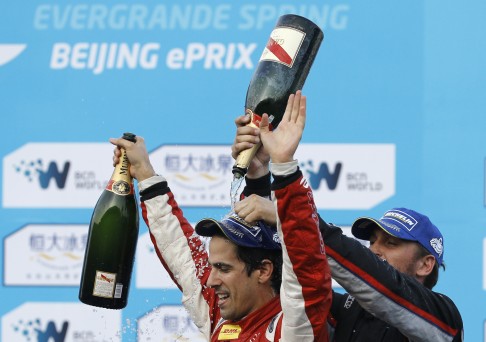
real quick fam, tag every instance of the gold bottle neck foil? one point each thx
(121, 182)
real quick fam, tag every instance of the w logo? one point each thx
(315, 178)
(53, 172)
(51, 334)
(36, 168)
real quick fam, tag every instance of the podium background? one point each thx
(407, 76)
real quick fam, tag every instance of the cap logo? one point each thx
(402, 219)
(253, 230)
(276, 238)
(437, 245)
(232, 230)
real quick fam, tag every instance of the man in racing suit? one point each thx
(388, 298)
(300, 312)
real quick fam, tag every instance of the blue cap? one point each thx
(241, 232)
(405, 224)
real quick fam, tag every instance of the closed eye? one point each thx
(225, 268)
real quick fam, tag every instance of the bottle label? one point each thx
(104, 284)
(120, 187)
(256, 119)
(283, 45)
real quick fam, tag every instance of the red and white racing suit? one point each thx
(299, 314)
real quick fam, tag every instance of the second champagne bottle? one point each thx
(282, 70)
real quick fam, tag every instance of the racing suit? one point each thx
(299, 314)
(382, 304)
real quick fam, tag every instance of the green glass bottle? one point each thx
(112, 241)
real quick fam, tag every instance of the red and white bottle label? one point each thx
(256, 119)
(283, 45)
(104, 284)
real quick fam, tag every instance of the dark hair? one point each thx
(253, 257)
(431, 280)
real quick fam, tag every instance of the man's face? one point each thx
(399, 253)
(237, 292)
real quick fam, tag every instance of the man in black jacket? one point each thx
(389, 286)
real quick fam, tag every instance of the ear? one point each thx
(265, 271)
(425, 265)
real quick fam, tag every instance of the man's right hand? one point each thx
(247, 137)
(256, 208)
(282, 143)
(140, 166)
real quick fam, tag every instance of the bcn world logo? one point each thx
(56, 175)
(8, 52)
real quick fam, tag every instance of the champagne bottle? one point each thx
(282, 70)
(112, 240)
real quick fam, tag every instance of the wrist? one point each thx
(258, 186)
(143, 173)
(258, 173)
(285, 168)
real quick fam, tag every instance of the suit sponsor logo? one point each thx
(349, 302)
(229, 332)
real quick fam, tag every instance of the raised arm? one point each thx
(180, 250)
(306, 278)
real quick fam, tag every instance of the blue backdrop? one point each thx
(404, 78)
